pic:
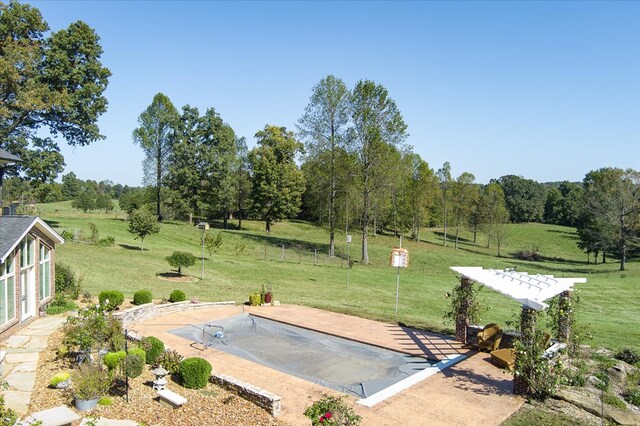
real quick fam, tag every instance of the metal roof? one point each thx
(14, 228)
(530, 290)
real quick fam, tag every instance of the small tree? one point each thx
(212, 243)
(181, 259)
(141, 224)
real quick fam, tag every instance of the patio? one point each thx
(472, 391)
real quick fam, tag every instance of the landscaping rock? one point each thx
(586, 401)
(618, 375)
(594, 382)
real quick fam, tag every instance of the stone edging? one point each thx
(260, 397)
(152, 310)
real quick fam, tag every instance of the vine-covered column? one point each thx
(524, 368)
(462, 316)
(565, 315)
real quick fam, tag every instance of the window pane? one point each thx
(3, 301)
(30, 251)
(11, 298)
(9, 263)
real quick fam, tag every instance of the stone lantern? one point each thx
(160, 382)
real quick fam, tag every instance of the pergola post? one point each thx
(528, 319)
(564, 316)
(462, 316)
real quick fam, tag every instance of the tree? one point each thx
(611, 212)
(525, 198)
(277, 182)
(181, 259)
(242, 180)
(376, 122)
(71, 186)
(324, 129)
(446, 183)
(55, 82)
(86, 200)
(156, 136)
(141, 224)
(495, 215)
(464, 193)
(420, 192)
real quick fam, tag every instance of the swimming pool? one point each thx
(341, 364)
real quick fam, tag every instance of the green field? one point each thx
(610, 300)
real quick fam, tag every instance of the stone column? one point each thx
(565, 315)
(462, 316)
(528, 319)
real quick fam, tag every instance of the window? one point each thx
(7, 291)
(45, 272)
(27, 257)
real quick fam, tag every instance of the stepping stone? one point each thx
(109, 422)
(58, 416)
(17, 358)
(25, 367)
(22, 381)
(37, 343)
(18, 401)
(17, 341)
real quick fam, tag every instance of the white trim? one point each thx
(403, 384)
(42, 226)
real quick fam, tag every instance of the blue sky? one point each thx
(544, 90)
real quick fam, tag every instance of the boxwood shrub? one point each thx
(134, 364)
(177, 296)
(195, 373)
(113, 359)
(114, 297)
(141, 297)
(153, 348)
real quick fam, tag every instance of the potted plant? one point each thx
(268, 296)
(90, 383)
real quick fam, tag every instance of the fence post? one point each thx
(282, 255)
(315, 256)
(265, 250)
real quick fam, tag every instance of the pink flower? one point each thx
(328, 415)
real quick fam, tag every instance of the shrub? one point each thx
(66, 281)
(629, 356)
(67, 235)
(105, 401)
(133, 365)
(141, 297)
(115, 298)
(195, 373)
(90, 381)
(58, 378)
(140, 352)
(153, 348)
(177, 296)
(170, 360)
(107, 241)
(113, 359)
(332, 410)
(180, 259)
(255, 299)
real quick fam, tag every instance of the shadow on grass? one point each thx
(52, 223)
(288, 243)
(128, 247)
(451, 238)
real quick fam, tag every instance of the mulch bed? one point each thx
(210, 406)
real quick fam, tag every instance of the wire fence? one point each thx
(297, 253)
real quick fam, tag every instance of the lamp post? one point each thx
(203, 226)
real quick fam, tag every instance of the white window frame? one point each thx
(8, 274)
(45, 272)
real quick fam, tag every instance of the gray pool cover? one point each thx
(340, 364)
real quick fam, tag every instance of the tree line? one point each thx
(347, 163)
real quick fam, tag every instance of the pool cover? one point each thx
(340, 364)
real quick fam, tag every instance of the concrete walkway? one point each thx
(21, 360)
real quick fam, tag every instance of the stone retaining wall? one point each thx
(259, 396)
(152, 310)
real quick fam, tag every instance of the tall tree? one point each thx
(464, 194)
(242, 179)
(277, 182)
(495, 215)
(376, 122)
(156, 136)
(323, 127)
(611, 212)
(56, 82)
(420, 192)
(525, 198)
(446, 184)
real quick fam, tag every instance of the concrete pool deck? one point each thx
(472, 391)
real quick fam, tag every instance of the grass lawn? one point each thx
(609, 300)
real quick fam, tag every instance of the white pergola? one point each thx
(530, 290)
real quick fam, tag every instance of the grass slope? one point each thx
(610, 301)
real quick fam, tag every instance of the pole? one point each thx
(348, 263)
(126, 376)
(397, 290)
(202, 278)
